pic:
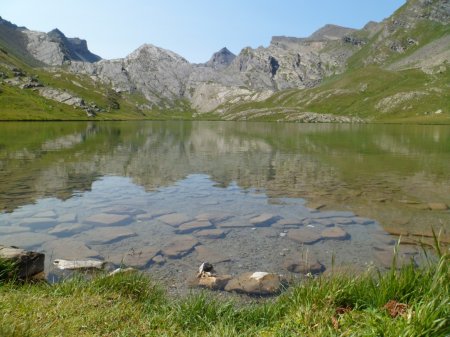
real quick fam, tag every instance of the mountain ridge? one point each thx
(415, 37)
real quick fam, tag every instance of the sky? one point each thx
(194, 29)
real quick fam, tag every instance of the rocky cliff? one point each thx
(52, 48)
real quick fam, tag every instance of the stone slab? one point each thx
(175, 219)
(138, 258)
(106, 235)
(180, 246)
(189, 227)
(206, 254)
(107, 219)
(304, 235)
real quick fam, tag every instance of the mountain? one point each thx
(221, 59)
(396, 69)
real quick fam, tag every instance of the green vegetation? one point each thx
(339, 305)
(371, 92)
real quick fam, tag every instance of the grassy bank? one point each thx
(132, 305)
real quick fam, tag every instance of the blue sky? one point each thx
(192, 28)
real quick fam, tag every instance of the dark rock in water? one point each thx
(28, 264)
(303, 264)
(257, 283)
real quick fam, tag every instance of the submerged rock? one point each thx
(304, 235)
(264, 219)
(438, 206)
(207, 254)
(139, 258)
(108, 219)
(335, 233)
(210, 234)
(303, 264)
(104, 235)
(175, 219)
(180, 246)
(192, 226)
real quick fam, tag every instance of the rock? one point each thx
(46, 214)
(138, 258)
(27, 240)
(159, 259)
(117, 271)
(304, 235)
(192, 226)
(105, 235)
(386, 258)
(207, 254)
(288, 223)
(235, 224)
(438, 206)
(214, 218)
(78, 264)
(210, 234)
(69, 249)
(69, 217)
(175, 219)
(124, 210)
(221, 59)
(303, 264)
(180, 246)
(27, 264)
(258, 283)
(38, 223)
(12, 229)
(264, 219)
(107, 219)
(335, 233)
(362, 221)
(214, 282)
(69, 229)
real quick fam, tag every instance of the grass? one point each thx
(132, 305)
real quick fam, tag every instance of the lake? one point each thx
(166, 196)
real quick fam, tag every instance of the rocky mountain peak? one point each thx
(221, 59)
(330, 32)
(56, 33)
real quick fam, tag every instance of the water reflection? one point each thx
(385, 172)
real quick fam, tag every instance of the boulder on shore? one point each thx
(257, 283)
(28, 264)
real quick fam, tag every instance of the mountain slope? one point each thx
(394, 70)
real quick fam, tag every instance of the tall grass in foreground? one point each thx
(132, 305)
